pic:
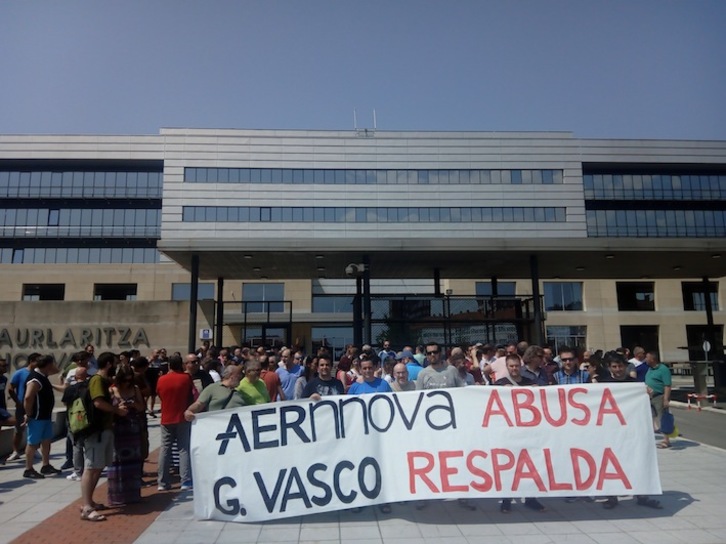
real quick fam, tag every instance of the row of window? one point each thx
(371, 177)
(309, 214)
(558, 296)
(633, 296)
(80, 222)
(101, 291)
(88, 217)
(654, 187)
(79, 255)
(47, 184)
(656, 223)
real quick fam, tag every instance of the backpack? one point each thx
(81, 420)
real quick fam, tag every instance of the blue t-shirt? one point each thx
(18, 382)
(378, 385)
(413, 370)
(288, 379)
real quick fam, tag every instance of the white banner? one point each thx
(301, 457)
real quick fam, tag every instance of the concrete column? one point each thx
(367, 332)
(220, 313)
(538, 336)
(357, 312)
(193, 299)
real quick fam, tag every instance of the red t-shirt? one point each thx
(272, 382)
(175, 392)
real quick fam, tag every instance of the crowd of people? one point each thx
(123, 389)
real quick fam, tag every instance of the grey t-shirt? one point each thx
(432, 378)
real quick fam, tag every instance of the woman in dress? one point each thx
(124, 475)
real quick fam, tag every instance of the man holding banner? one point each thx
(342, 452)
(370, 383)
(324, 384)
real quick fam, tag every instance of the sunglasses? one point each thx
(566, 359)
(432, 352)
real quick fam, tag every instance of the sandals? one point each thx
(89, 514)
(97, 506)
(663, 446)
(650, 503)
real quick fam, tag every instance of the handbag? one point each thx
(667, 422)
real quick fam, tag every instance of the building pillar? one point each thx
(220, 314)
(193, 299)
(715, 355)
(367, 332)
(357, 313)
(538, 333)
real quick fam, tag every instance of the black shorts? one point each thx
(19, 418)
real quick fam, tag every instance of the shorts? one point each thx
(39, 430)
(656, 407)
(98, 450)
(4, 414)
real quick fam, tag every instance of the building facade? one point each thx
(461, 236)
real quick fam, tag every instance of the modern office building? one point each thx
(332, 237)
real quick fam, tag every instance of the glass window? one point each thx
(572, 337)
(562, 296)
(636, 296)
(183, 291)
(694, 298)
(114, 291)
(332, 304)
(263, 297)
(44, 291)
(504, 288)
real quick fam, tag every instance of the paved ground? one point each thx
(692, 475)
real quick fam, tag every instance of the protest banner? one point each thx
(302, 457)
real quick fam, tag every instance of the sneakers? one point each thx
(67, 465)
(13, 456)
(33, 474)
(187, 486)
(163, 487)
(49, 470)
(74, 477)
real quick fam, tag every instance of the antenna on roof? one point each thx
(364, 132)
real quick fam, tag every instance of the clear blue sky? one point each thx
(615, 68)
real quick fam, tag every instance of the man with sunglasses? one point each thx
(570, 372)
(438, 374)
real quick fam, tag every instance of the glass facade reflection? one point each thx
(656, 223)
(80, 184)
(96, 222)
(76, 211)
(309, 214)
(654, 187)
(371, 177)
(656, 204)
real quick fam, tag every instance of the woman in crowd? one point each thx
(309, 372)
(124, 475)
